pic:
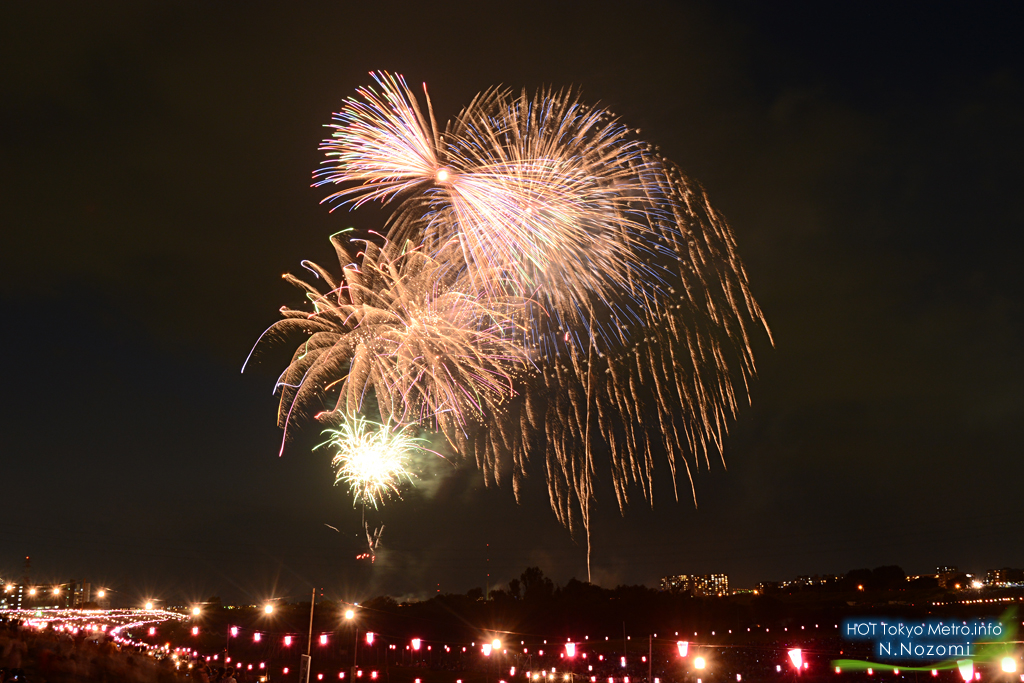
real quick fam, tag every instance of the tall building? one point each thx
(1004, 577)
(12, 595)
(713, 584)
(679, 582)
(24, 595)
(697, 584)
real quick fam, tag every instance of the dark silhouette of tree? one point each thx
(889, 577)
(536, 586)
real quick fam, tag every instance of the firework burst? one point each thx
(372, 459)
(603, 309)
(407, 332)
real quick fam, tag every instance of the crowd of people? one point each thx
(50, 656)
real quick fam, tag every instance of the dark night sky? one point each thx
(155, 164)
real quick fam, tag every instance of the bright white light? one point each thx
(323, 638)
(699, 663)
(966, 667)
(416, 643)
(796, 657)
(486, 649)
(570, 649)
(369, 637)
(149, 605)
(195, 611)
(684, 647)
(442, 175)
(350, 614)
(1009, 665)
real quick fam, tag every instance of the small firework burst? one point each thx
(372, 458)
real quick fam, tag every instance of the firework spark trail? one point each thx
(382, 142)
(622, 315)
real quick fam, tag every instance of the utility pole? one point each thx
(650, 659)
(306, 660)
(355, 652)
(309, 644)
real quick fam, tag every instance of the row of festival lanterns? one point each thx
(965, 667)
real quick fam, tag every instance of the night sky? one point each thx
(155, 163)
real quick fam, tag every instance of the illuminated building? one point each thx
(953, 580)
(697, 584)
(1004, 577)
(13, 598)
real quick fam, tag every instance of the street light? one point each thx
(196, 611)
(350, 614)
(268, 608)
(101, 593)
(149, 605)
